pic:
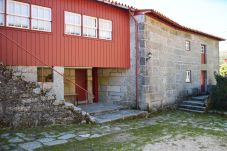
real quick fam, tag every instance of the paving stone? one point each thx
(96, 136)
(5, 147)
(21, 135)
(15, 140)
(45, 140)
(6, 135)
(30, 146)
(85, 135)
(56, 142)
(67, 136)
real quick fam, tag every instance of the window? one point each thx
(17, 14)
(45, 74)
(188, 76)
(41, 18)
(2, 11)
(89, 26)
(203, 54)
(202, 49)
(187, 45)
(105, 29)
(72, 24)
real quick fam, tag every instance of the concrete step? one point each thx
(101, 108)
(200, 98)
(194, 103)
(190, 110)
(193, 107)
(119, 115)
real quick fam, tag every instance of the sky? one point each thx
(209, 16)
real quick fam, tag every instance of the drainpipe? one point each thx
(137, 52)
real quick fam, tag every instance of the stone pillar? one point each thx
(58, 83)
(90, 85)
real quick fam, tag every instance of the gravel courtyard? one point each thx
(166, 131)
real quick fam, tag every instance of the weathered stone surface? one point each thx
(56, 142)
(15, 140)
(66, 136)
(45, 140)
(29, 146)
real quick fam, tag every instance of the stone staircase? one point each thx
(109, 112)
(195, 104)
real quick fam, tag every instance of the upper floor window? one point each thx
(105, 29)
(17, 14)
(188, 76)
(41, 18)
(89, 26)
(203, 54)
(72, 24)
(2, 11)
(187, 45)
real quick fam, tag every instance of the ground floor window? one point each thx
(45, 74)
(188, 76)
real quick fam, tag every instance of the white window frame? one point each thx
(3, 13)
(105, 30)
(16, 15)
(188, 76)
(74, 25)
(95, 28)
(187, 45)
(41, 19)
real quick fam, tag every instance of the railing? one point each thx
(42, 62)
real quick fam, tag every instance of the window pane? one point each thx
(67, 18)
(10, 7)
(1, 6)
(34, 24)
(34, 12)
(40, 13)
(1, 19)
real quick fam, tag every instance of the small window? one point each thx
(2, 11)
(89, 27)
(187, 45)
(105, 29)
(41, 18)
(72, 24)
(17, 14)
(203, 49)
(45, 74)
(188, 76)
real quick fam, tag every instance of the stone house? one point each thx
(94, 51)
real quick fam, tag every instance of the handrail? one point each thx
(88, 93)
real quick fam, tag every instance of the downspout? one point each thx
(137, 52)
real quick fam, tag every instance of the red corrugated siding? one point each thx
(58, 49)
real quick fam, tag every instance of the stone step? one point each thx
(101, 108)
(194, 102)
(193, 107)
(119, 115)
(200, 98)
(190, 110)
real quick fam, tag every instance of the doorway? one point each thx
(73, 93)
(203, 81)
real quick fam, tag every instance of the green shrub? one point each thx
(219, 94)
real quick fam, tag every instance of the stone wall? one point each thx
(164, 61)
(119, 85)
(29, 74)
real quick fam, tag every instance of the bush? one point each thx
(219, 94)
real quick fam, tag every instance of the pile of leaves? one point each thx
(219, 94)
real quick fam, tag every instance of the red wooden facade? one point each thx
(57, 49)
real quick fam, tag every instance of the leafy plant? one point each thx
(223, 69)
(219, 94)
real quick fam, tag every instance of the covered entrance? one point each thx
(83, 78)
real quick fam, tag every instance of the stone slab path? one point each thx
(50, 137)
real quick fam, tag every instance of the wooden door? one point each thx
(81, 80)
(203, 81)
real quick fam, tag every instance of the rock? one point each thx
(21, 135)
(16, 140)
(85, 135)
(37, 91)
(45, 140)
(58, 102)
(56, 142)
(69, 105)
(67, 136)
(30, 146)
(96, 136)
